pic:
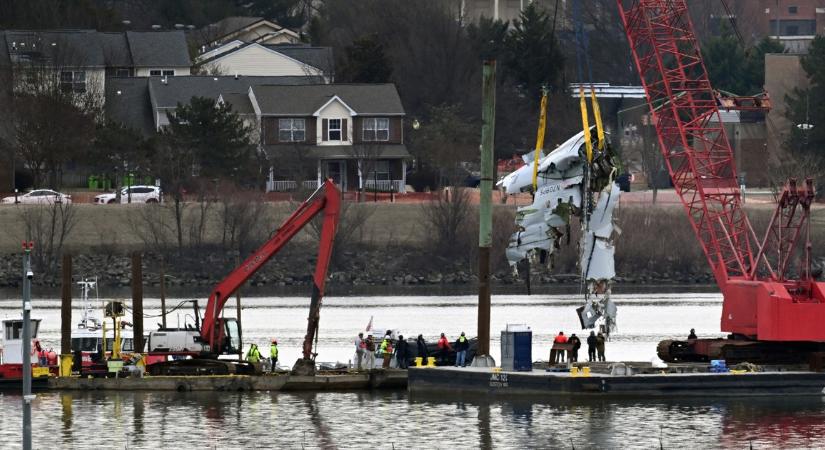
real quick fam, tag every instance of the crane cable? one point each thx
(582, 54)
(540, 138)
(543, 115)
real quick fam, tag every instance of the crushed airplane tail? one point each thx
(567, 187)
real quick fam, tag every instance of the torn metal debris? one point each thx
(568, 186)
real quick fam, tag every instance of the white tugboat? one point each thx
(88, 336)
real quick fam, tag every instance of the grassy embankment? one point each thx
(656, 242)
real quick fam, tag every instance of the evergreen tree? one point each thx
(534, 56)
(489, 38)
(217, 138)
(725, 62)
(366, 61)
(806, 107)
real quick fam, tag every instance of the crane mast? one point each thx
(763, 305)
(691, 135)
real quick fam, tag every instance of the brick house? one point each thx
(352, 133)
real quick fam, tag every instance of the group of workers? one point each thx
(402, 351)
(254, 355)
(563, 346)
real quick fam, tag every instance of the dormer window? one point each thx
(334, 130)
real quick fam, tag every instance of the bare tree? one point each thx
(49, 226)
(445, 220)
(154, 224)
(366, 156)
(243, 217)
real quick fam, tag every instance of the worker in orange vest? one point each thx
(444, 348)
(559, 354)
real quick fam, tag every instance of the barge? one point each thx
(497, 383)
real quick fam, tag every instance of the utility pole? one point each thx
(27, 342)
(485, 221)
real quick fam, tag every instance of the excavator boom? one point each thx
(327, 199)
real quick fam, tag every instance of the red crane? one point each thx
(770, 315)
(217, 335)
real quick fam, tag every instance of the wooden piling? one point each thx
(162, 292)
(66, 306)
(137, 300)
(485, 220)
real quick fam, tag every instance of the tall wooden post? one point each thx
(66, 306)
(137, 301)
(485, 221)
(238, 313)
(162, 292)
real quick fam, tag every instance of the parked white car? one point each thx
(139, 194)
(39, 196)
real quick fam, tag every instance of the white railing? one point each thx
(385, 185)
(290, 185)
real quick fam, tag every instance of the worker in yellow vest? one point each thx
(253, 355)
(273, 355)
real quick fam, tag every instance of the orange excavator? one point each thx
(196, 348)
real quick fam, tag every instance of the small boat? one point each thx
(87, 338)
(11, 355)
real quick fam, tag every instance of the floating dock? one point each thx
(493, 382)
(376, 379)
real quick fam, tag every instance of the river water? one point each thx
(398, 420)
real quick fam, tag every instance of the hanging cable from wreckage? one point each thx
(578, 180)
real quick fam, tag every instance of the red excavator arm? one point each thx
(327, 199)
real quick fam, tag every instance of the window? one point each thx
(334, 130)
(122, 72)
(791, 9)
(792, 30)
(73, 81)
(380, 171)
(161, 72)
(291, 130)
(377, 129)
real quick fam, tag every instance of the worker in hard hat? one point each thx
(273, 355)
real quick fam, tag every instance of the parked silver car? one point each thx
(138, 194)
(39, 197)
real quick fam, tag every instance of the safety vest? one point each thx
(254, 354)
(462, 339)
(383, 347)
(273, 351)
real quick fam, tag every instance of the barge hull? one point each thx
(486, 381)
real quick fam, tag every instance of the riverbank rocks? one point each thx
(409, 266)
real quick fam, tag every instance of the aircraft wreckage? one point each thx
(568, 186)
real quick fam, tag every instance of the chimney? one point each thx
(236, 75)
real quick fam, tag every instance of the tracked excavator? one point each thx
(197, 348)
(773, 307)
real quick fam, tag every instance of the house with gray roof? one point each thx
(309, 130)
(352, 133)
(253, 58)
(83, 59)
(245, 29)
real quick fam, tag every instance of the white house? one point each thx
(254, 59)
